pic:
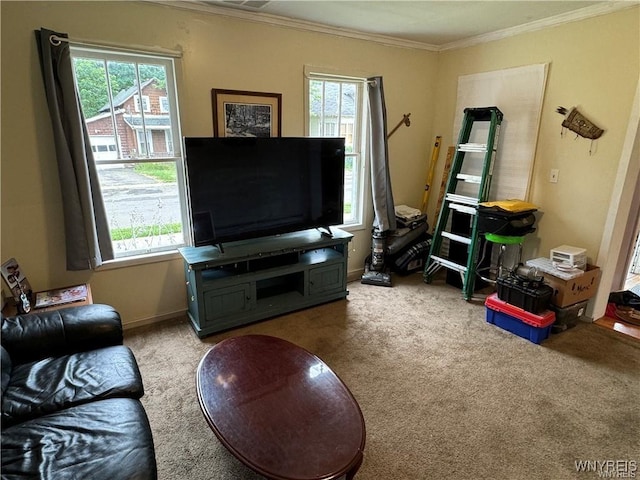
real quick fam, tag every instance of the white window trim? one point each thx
(109, 54)
(365, 216)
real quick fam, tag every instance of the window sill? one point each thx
(150, 258)
(139, 260)
(353, 227)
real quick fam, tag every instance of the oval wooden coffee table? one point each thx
(280, 409)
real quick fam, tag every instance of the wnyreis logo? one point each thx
(609, 468)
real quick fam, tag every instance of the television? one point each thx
(247, 187)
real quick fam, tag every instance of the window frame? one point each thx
(360, 130)
(106, 54)
(165, 106)
(146, 103)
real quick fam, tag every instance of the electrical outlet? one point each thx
(553, 176)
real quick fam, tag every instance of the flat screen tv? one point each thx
(242, 188)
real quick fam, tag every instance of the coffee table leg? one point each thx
(352, 473)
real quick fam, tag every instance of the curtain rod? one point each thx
(57, 41)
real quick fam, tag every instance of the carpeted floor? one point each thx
(444, 394)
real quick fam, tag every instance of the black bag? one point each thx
(500, 222)
(625, 298)
(413, 259)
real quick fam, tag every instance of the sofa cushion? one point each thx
(53, 384)
(43, 334)
(102, 440)
(5, 368)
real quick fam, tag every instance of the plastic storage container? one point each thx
(535, 328)
(567, 317)
(531, 296)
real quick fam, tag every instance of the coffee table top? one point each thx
(280, 409)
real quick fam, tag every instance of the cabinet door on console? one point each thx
(326, 279)
(221, 302)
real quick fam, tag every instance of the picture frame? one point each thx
(18, 283)
(238, 113)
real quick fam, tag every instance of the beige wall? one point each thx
(218, 52)
(593, 64)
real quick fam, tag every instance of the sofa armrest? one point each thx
(39, 335)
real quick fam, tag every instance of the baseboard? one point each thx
(355, 275)
(153, 320)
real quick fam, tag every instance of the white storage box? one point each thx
(569, 257)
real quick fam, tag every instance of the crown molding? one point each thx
(276, 20)
(574, 16)
(307, 26)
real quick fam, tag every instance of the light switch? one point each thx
(553, 176)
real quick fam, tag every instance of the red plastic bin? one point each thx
(533, 327)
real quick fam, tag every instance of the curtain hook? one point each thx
(55, 40)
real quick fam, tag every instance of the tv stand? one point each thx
(256, 279)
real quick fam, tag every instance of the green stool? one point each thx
(504, 241)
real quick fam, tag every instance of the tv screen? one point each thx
(242, 188)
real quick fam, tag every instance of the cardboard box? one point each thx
(578, 289)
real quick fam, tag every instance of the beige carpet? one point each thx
(444, 394)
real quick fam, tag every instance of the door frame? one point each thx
(617, 236)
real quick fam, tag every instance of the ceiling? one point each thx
(431, 24)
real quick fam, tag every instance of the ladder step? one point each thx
(457, 238)
(470, 178)
(463, 208)
(456, 198)
(448, 264)
(472, 147)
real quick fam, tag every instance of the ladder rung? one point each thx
(472, 147)
(448, 264)
(463, 208)
(469, 178)
(454, 197)
(457, 238)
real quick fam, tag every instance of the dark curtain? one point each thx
(88, 242)
(385, 218)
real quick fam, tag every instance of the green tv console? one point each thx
(255, 279)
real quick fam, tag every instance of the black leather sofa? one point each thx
(71, 399)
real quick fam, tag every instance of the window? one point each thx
(137, 153)
(145, 102)
(164, 104)
(336, 108)
(145, 142)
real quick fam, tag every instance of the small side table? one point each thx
(11, 309)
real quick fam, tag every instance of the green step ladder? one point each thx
(466, 203)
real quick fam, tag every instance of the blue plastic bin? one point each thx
(531, 326)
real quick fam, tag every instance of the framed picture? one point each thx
(246, 114)
(17, 282)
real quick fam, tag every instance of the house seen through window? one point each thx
(136, 146)
(335, 109)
